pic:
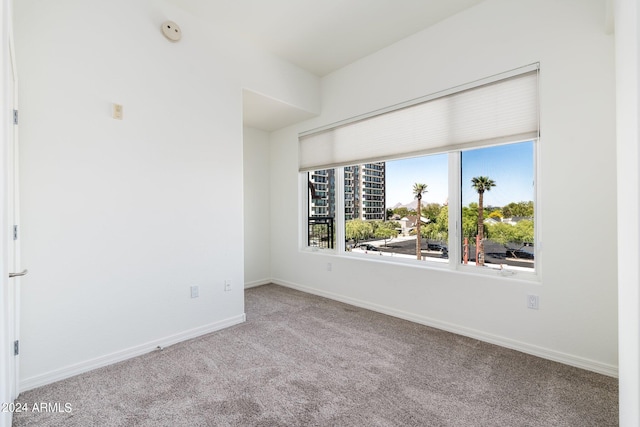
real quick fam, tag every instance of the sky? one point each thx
(510, 166)
(401, 175)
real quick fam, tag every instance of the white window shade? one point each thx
(502, 110)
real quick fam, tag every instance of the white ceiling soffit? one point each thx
(322, 36)
(263, 112)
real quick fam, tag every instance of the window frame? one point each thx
(454, 263)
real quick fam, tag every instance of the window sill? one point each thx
(432, 264)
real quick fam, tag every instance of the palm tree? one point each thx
(418, 189)
(481, 184)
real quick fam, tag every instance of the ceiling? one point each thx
(321, 36)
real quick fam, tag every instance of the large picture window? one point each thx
(446, 180)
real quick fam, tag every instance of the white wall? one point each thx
(257, 212)
(576, 322)
(121, 217)
(627, 21)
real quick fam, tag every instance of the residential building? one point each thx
(364, 191)
(322, 200)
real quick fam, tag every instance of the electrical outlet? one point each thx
(195, 291)
(328, 266)
(533, 302)
(227, 285)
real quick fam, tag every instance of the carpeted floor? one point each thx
(302, 360)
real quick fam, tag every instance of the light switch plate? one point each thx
(117, 111)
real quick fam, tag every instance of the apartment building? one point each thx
(364, 187)
(364, 191)
(322, 200)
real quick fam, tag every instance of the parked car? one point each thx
(366, 247)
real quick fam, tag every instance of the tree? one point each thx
(524, 231)
(520, 233)
(431, 211)
(438, 229)
(481, 184)
(470, 220)
(522, 209)
(385, 230)
(401, 211)
(418, 190)
(496, 214)
(357, 230)
(502, 233)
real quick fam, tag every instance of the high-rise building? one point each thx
(323, 194)
(364, 192)
(364, 187)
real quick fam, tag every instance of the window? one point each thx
(448, 179)
(497, 215)
(381, 212)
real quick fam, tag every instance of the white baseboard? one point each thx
(119, 356)
(256, 283)
(545, 353)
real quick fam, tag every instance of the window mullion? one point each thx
(455, 209)
(303, 192)
(339, 215)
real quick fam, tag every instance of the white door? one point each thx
(9, 248)
(13, 246)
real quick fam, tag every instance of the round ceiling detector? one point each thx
(171, 30)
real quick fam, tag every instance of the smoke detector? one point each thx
(171, 31)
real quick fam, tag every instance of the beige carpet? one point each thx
(302, 360)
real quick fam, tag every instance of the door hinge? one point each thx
(15, 232)
(15, 117)
(16, 347)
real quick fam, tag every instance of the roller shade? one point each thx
(499, 109)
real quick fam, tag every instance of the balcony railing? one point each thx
(321, 232)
